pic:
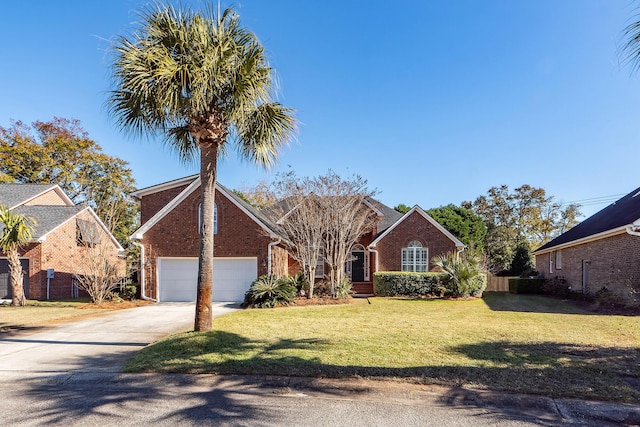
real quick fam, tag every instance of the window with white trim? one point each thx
(320, 264)
(558, 260)
(415, 258)
(215, 218)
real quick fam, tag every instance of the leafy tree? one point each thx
(260, 196)
(60, 152)
(522, 262)
(16, 232)
(462, 223)
(402, 208)
(525, 215)
(201, 81)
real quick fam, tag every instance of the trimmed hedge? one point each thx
(526, 286)
(401, 283)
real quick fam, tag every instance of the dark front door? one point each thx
(357, 267)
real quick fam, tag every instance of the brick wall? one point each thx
(156, 201)
(50, 198)
(415, 227)
(612, 261)
(61, 252)
(176, 235)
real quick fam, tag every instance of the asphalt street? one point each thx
(70, 375)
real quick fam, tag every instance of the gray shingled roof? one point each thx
(619, 214)
(16, 194)
(391, 216)
(48, 217)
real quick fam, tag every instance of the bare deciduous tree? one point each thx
(347, 216)
(100, 271)
(301, 220)
(101, 275)
(322, 218)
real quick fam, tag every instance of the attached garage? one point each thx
(232, 277)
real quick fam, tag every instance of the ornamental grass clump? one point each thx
(269, 291)
(465, 276)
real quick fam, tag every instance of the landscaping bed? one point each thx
(517, 343)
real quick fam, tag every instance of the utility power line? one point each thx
(593, 201)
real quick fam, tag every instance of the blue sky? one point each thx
(432, 102)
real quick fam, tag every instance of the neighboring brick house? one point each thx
(603, 250)
(61, 240)
(247, 243)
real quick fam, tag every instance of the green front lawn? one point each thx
(518, 343)
(37, 314)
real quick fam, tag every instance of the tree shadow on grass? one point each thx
(546, 369)
(502, 301)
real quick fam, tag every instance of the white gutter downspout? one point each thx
(269, 250)
(370, 248)
(142, 271)
(633, 229)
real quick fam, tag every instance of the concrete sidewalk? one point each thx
(101, 344)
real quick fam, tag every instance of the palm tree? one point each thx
(200, 81)
(630, 51)
(16, 231)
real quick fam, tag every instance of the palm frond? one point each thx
(630, 51)
(16, 229)
(193, 78)
(263, 131)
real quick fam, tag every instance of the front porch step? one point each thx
(362, 288)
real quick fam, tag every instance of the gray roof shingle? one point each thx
(619, 214)
(12, 195)
(48, 217)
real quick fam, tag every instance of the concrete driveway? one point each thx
(102, 344)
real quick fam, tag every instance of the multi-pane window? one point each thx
(415, 258)
(558, 260)
(215, 218)
(320, 264)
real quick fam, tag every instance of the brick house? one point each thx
(603, 250)
(60, 241)
(247, 243)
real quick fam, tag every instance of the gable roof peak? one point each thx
(418, 210)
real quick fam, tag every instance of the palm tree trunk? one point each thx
(15, 271)
(208, 165)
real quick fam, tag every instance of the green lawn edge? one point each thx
(504, 342)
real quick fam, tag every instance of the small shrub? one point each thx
(343, 289)
(322, 289)
(129, 292)
(526, 286)
(614, 297)
(269, 291)
(399, 283)
(465, 275)
(299, 281)
(557, 287)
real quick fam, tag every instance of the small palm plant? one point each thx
(17, 230)
(465, 273)
(269, 291)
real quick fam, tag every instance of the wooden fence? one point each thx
(498, 283)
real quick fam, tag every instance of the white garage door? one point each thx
(232, 277)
